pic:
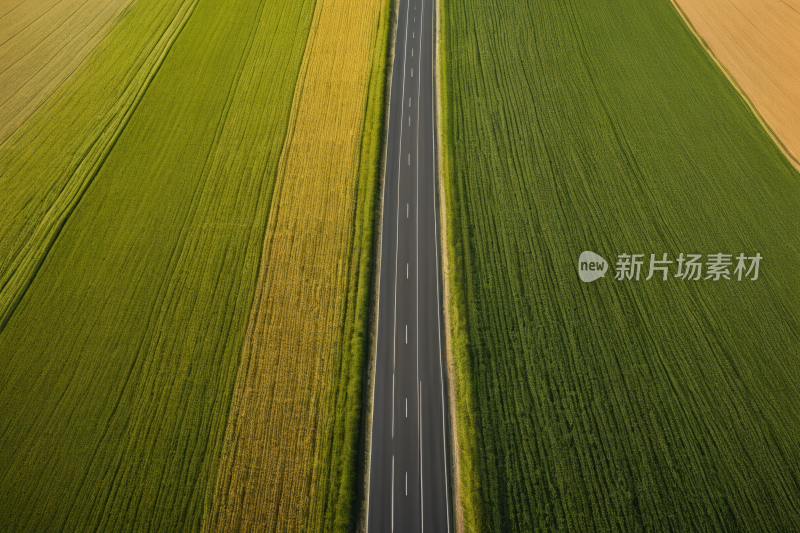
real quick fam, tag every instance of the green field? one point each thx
(132, 234)
(46, 167)
(628, 405)
(183, 327)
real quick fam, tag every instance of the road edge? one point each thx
(453, 449)
(463, 427)
(368, 392)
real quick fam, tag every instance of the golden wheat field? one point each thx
(295, 375)
(758, 43)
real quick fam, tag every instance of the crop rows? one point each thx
(50, 160)
(41, 44)
(138, 203)
(605, 126)
(291, 447)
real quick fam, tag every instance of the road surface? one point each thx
(408, 487)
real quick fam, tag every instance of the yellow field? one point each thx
(758, 43)
(290, 440)
(41, 44)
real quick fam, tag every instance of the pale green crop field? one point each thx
(47, 165)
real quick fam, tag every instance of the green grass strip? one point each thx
(469, 496)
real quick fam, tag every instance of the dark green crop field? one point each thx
(628, 405)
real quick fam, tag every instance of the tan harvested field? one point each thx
(287, 463)
(41, 44)
(758, 42)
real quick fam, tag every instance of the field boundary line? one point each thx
(792, 159)
(466, 504)
(437, 245)
(450, 411)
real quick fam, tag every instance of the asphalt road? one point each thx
(408, 488)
